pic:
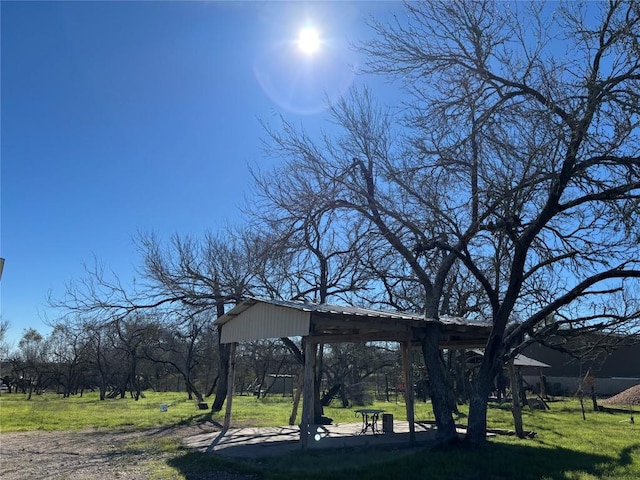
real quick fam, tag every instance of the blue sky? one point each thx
(126, 117)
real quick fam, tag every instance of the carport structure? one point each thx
(258, 319)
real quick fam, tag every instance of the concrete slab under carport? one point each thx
(274, 441)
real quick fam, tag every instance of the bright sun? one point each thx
(309, 40)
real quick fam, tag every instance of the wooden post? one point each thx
(230, 381)
(543, 387)
(307, 397)
(407, 367)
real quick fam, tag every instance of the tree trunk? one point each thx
(123, 389)
(296, 398)
(477, 420)
(453, 403)
(192, 390)
(481, 388)
(459, 366)
(262, 374)
(223, 353)
(516, 400)
(221, 388)
(212, 389)
(438, 382)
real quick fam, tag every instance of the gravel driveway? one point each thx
(85, 455)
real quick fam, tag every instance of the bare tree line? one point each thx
(147, 353)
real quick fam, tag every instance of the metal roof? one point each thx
(520, 360)
(524, 361)
(255, 319)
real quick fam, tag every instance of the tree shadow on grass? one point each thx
(525, 461)
(625, 454)
(497, 461)
(203, 466)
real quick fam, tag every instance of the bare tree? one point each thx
(5, 346)
(315, 257)
(180, 278)
(131, 340)
(99, 352)
(350, 365)
(33, 362)
(310, 253)
(262, 358)
(533, 113)
(517, 157)
(67, 348)
(177, 343)
(357, 175)
(204, 275)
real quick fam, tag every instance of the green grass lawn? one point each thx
(52, 412)
(605, 446)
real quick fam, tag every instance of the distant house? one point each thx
(614, 369)
(280, 384)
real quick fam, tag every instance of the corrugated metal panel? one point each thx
(265, 320)
(367, 312)
(523, 361)
(519, 360)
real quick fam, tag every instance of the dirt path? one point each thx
(86, 454)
